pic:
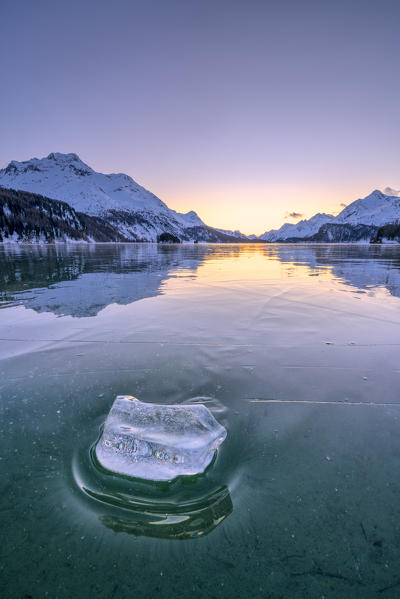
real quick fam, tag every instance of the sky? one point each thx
(245, 111)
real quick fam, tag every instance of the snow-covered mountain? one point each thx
(354, 223)
(135, 212)
(304, 228)
(65, 177)
(236, 233)
(376, 209)
(125, 210)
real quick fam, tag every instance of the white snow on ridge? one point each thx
(65, 177)
(305, 228)
(375, 209)
(190, 219)
(116, 196)
(133, 210)
(236, 234)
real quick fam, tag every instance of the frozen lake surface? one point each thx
(295, 349)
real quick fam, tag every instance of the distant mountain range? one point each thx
(304, 228)
(60, 198)
(359, 221)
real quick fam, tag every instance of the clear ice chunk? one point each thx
(158, 442)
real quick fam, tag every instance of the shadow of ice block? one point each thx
(158, 442)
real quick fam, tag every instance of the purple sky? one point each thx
(243, 111)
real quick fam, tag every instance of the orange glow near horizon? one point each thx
(259, 209)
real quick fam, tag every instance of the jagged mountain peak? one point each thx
(67, 178)
(304, 228)
(59, 157)
(51, 163)
(377, 208)
(135, 212)
(376, 193)
(321, 215)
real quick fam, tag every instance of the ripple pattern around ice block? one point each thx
(158, 442)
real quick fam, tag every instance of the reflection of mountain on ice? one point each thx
(81, 282)
(91, 293)
(363, 266)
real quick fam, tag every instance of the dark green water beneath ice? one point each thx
(295, 348)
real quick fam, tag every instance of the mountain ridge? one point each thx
(136, 213)
(377, 209)
(67, 178)
(32, 218)
(130, 212)
(304, 228)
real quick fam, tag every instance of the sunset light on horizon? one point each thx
(200, 299)
(242, 113)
